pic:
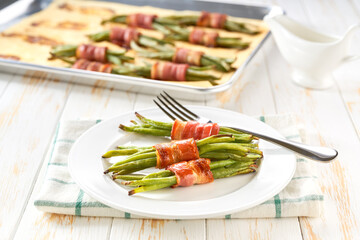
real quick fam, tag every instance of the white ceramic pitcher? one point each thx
(312, 55)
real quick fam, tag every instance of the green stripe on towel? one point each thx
(79, 203)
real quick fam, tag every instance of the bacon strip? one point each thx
(192, 172)
(169, 71)
(175, 151)
(124, 36)
(212, 20)
(183, 55)
(92, 66)
(200, 37)
(140, 20)
(191, 129)
(91, 53)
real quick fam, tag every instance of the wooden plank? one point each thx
(157, 229)
(29, 110)
(252, 95)
(39, 225)
(321, 113)
(286, 228)
(84, 102)
(5, 78)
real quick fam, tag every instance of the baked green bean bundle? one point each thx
(217, 147)
(198, 171)
(180, 130)
(184, 55)
(90, 52)
(205, 19)
(201, 37)
(157, 71)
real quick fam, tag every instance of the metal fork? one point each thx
(174, 110)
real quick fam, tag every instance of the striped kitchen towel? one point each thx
(60, 194)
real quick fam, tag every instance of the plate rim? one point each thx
(183, 215)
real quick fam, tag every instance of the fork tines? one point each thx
(173, 108)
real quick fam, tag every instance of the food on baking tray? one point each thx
(217, 147)
(153, 34)
(205, 19)
(158, 71)
(159, 49)
(124, 36)
(184, 55)
(178, 130)
(184, 174)
(201, 37)
(91, 53)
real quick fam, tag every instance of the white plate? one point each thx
(223, 196)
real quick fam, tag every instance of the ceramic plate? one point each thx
(223, 196)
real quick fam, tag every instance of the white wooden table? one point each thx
(31, 107)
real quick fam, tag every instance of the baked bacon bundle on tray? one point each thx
(90, 53)
(184, 55)
(158, 71)
(124, 36)
(200, 36)
(205, 19)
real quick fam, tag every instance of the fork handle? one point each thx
(312, 152)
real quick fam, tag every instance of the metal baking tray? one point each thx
(23, 8)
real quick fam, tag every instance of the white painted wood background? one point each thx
(30, 108)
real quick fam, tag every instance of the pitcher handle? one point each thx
(351, 30)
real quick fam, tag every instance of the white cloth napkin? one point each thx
(60, 194)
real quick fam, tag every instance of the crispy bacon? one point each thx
(92, 66)
(175, 151)
(140, 20)
(183, 55)
(91, 53)
(124, 36)
(212, 20)
(192, 172)
(200, 37)
(191, 129)
(169, 71)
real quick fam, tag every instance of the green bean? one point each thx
(101, 36)
(164, 173)
(223, 146)
(121, 152)
(220, 163)
(148, 188)
(116, 19)
(151, 181)
(158, 124)
(150, 131)
(227, 172)
(133, 147)
(131, 167)
(128, 177)
(226, 155)
(215, 139)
